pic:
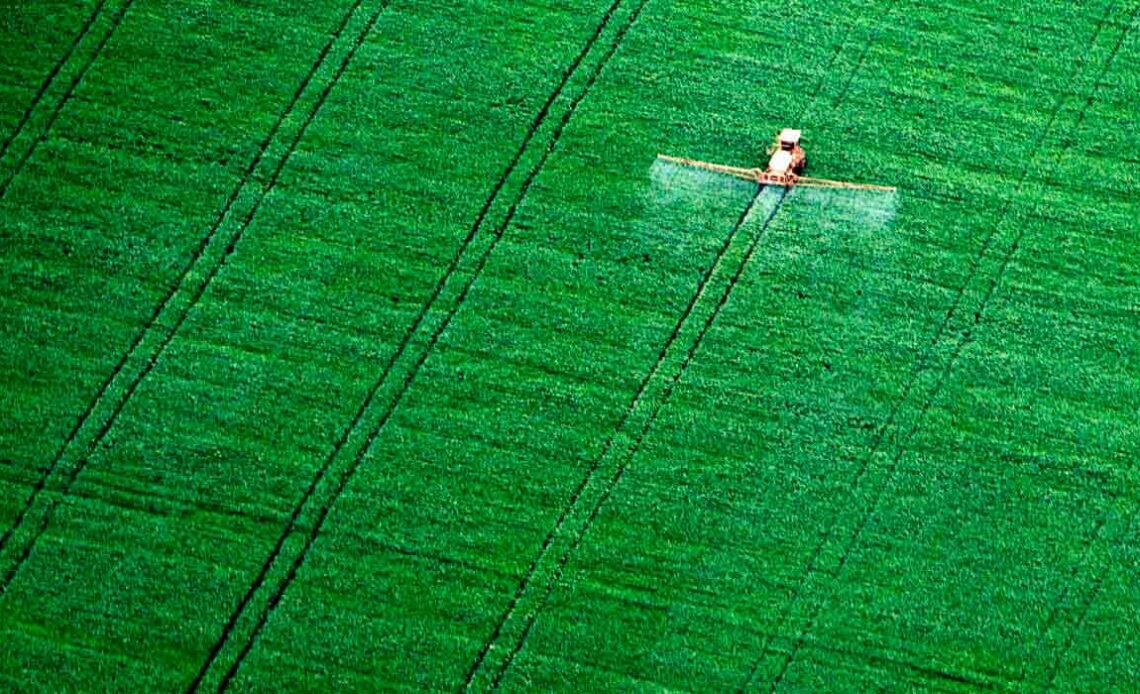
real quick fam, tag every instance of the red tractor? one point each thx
(786, 155)
(786, 164)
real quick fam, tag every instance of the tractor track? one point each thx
(927, 401)
(842, 96)
(1078, 623)
(620, 470)
(171, 293)
(496, 235)
(52, 74)
(1082, 611)
(176, 288)
(1098, 531)
(67, 94)
(634, 447)
(595, 464)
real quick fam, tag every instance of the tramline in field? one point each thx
(786, 164)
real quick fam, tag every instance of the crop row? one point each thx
(750, 512)
(224, 374)
(464, 388)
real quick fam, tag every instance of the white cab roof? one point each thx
(790, 135)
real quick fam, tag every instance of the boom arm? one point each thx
(746, 174)
(825, 183)
(764, 178)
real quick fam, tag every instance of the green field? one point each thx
(365, 345)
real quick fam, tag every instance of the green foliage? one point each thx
(366, 346)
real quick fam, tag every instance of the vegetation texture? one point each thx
(365, 344)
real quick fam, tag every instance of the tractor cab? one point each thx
(787, 157)
(789, 139)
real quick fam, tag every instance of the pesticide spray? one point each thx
(673, 183)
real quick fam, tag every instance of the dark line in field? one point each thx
(927, 401)
(173, 291)
(1055, 666)
(1098, 581)
(26, 552)
(642, 387)
(324, 511)
(52, 74)
(988, 240)
(115, 22)
(801, 638)
(596, 462)
(639, 394)
(1108, 64)
(635, 446)
(39, 486)
(199, 251)
(1078, 624)
(891, 416)
(842, 96)
(1055, 610)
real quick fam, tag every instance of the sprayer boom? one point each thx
(746, 174)
(787, 162)
(825, 183)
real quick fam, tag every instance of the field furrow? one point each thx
(370, 345)
(286, 351)
(608, 571)
(80, 261)
(148, 345)
(52, 27)
(605, 472)
(963, 316)
(1114, 523)
(36, 123)
(344, 459)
